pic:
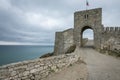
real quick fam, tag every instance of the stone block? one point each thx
(26, 73)
(33, 70)
(13, 73)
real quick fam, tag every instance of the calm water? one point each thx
(10, 54)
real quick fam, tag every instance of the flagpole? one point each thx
(87, 4)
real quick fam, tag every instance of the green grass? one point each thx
(114, 52)
(47, 55)
(71, 49)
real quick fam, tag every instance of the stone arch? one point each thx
(87, 19)
(94, 22)
(96, 33)
(81, 33)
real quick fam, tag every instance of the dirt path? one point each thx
(77, 71)
(101, 67)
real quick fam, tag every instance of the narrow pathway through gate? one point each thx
(98, 67)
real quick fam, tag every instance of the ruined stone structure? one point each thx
(87, 19)
(37, 69)
(111, 38)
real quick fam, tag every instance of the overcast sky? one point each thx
(36, 21)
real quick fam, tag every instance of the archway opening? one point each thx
(87, 37)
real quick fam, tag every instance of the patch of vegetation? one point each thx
(71, 49)
(70, 65)
(51, 70)
(114, 52)
(102, 51)
(47, 55)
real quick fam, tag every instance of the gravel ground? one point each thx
(98, 67)
(101, 67)
(77, 71)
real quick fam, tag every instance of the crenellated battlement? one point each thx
(111, 29)
(87, 19)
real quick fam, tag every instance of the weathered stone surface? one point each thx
(26, 73)
(111, 39)
(33, 70)
(36, 69)
(13, 73)
(87, 19)
(63, 41)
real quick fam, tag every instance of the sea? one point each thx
(17, 53)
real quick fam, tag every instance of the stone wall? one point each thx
(88, 19)
(111, 38)
(59, 43)
(84, 41)
(68, 39)
(36, 69)
(104, 37)
(63, 40)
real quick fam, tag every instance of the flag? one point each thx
(87, 3)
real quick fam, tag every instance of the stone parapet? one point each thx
(37, 69)
(111, 29)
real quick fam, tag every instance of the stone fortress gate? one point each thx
(104, 37)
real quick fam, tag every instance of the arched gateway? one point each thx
(87, 19)
(84, 40)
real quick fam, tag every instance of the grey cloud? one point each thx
(41, 4)
(14, 25)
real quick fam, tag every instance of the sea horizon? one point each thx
(17, 53)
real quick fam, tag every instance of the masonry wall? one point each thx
(68, 39)
(36, 69)
(63, 40)
(104, 37)
(111, 38)
(88, 19)
(59, 43)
